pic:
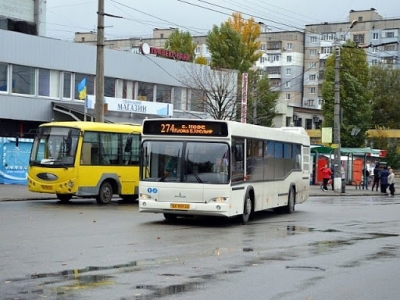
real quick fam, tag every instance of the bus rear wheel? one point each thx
(64, 198)
(289, 208)
(247, 209)
(105, 193)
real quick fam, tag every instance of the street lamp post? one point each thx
(336, 119)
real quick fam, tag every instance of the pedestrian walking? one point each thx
(326, 175)
(391, 179)
(377, 177)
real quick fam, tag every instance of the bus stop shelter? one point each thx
(354, 160)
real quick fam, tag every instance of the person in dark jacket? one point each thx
(384, 180)
(365, 173)
(377, 177)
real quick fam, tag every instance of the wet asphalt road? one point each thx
(330, 248)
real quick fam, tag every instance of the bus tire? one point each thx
(105, 193)
(64, 198)
(170, 217)
(247, 209)
(289, 208)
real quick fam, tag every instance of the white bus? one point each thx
(221, 168)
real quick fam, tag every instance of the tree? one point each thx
(384, 85)
(226, 48)
(261, 100)
(181, 42)
(354, 94)
(250, 32)
(214, 91)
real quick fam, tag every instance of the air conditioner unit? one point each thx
(305, 103)
(319, 106)
(283, 49)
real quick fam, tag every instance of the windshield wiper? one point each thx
(194, 174)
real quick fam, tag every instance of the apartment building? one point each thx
(379, 37)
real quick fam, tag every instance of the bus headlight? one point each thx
(219, 199)
(143, 196)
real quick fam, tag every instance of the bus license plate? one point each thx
(180, 206)
(47, 187)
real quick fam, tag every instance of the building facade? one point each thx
(40, 85)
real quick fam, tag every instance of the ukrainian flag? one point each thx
(82, 89)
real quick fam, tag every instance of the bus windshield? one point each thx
(180, 161)
(54, 147)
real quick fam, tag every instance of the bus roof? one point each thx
(97, 126)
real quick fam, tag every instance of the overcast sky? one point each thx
(139, 18)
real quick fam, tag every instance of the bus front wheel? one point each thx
(64, 198)
(247, 209)
(105, 193)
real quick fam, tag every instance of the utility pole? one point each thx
(336, 119)
(99, 105)
(336, 124)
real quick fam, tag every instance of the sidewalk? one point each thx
(12, 192)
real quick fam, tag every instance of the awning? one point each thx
(345, 151)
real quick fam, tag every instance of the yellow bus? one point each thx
(85, 159)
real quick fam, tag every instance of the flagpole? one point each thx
(85, 110)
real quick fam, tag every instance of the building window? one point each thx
(289, 58)
(374, 49)
(197, 102)
(128, 90)
(263, 47)
(145, 91)
(289, 46)
(311, 77)
(308, 123)
(288, 71)
(161, 35)
(83, 39)
(274, 46)
(67, 85)
(287, 84)
(358, 38)
(44, 82)
(375, 36)
(287, 96)
(313, 52)
(313, 39)
(329, 36)
(109, 87)
(3, 77)
(312, 65)
(374, 62)
(326, 50)
(390, 34)
(89, 84)
(180, 98)
(392, 47)
(360, 19)
(23, 80)
(311, 90)
(197, 50)
(274, 58)
(163, 94)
